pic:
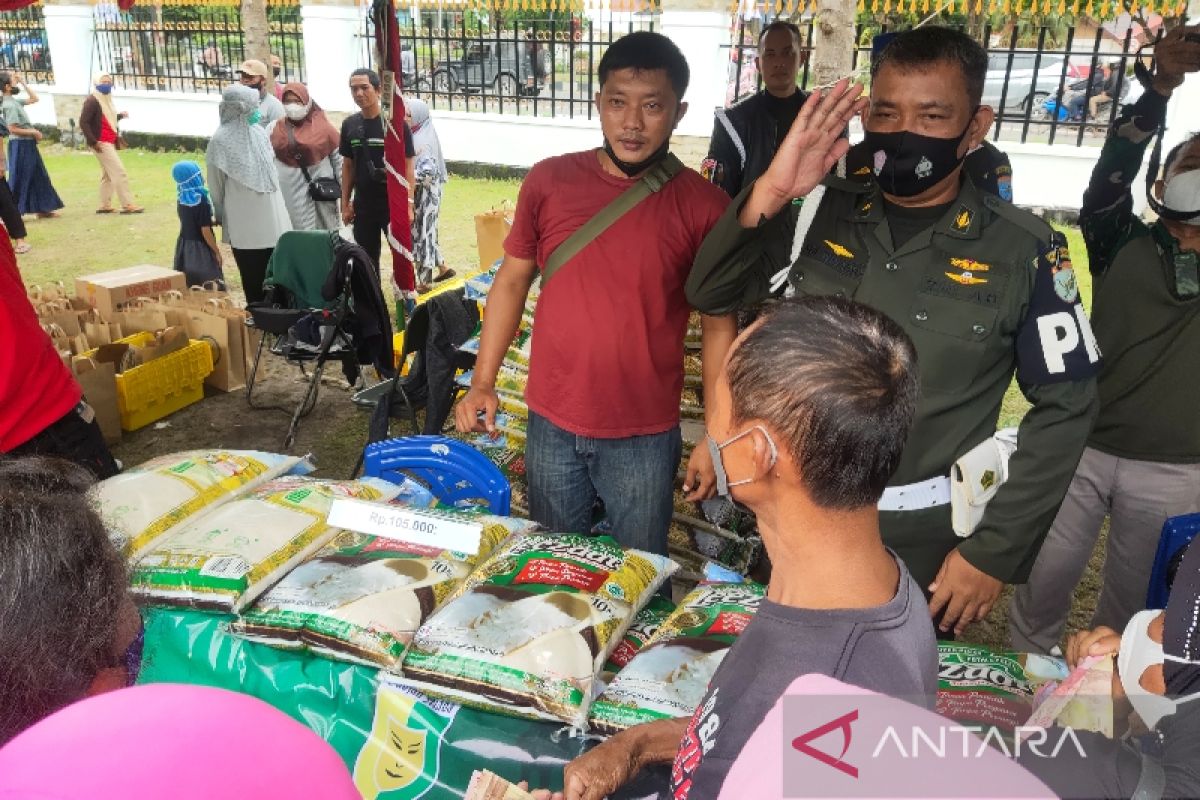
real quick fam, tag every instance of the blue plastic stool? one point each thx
(454, 471)
(1176, 533)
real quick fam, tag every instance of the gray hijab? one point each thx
(425, 138)
(241, 150)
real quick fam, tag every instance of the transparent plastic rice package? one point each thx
(528, 633)
(645, 624)
(361, 598)
(226, 558)
(146, 503)
(668, 677)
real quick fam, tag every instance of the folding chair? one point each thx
(1177, 532)
(298, 269)
(454, 471)
(405, 395)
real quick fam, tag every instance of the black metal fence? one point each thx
(526, 67)
(189, 48)
(23, 44)
(1039, 82)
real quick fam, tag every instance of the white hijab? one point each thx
(241, 150)
(425, 138)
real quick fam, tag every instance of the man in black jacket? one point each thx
(746, 135)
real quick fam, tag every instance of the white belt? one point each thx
(916, 496)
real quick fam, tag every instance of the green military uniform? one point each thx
(984, 292)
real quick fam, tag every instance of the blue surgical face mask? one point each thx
(103, 88)
(723, 482)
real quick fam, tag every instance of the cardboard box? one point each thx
(106, 291)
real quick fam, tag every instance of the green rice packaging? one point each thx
(979, 686)
(529, 631)
(645, 624)
(668, 677)
(144, 504)
(361, 598)
(224, 559)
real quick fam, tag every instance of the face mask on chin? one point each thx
(631, 169)
(907, 163)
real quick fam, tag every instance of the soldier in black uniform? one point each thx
(982, 288)
(745, 136)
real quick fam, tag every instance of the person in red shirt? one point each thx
(606, 368)
(42, 410)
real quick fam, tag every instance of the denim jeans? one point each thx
(634, 476)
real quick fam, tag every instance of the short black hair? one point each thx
(932, 44)
(63, 587)
(371, 74)
(1174, 152)
(782, 25)
(6, 79)
(646, 50)
(838, 380)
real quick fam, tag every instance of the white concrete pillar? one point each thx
(69, 34)
(700, 35)
(1181, 113)
(332, 50)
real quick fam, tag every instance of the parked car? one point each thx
(1024, 86)
(506, 68)
(26, 52)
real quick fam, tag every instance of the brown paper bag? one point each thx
(136, 320)
(98, 331)
(99, 383)
(226, 334)
(491, 228)
(169, 341)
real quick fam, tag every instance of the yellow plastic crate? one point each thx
(149, 392)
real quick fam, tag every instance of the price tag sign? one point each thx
(415, 526)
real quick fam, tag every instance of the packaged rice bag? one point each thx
(645, 623)
(361, 598)
(668, 678)
(529, 631)
(224, 559)
(145, 503)
(981, 687)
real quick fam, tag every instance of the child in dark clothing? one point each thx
(196, 252)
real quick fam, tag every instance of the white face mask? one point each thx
(1138, 653)
(1183, 193)
(295, 111)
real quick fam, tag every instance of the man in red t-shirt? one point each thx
(606, 369)
(42, 411)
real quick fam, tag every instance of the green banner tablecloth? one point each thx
(400, 745)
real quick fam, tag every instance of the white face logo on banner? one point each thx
(1061, 333)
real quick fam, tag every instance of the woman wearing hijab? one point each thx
(306, 149)
(28, 177)
(98, 122)
(197, 255)
(431, 175)
(244, 188)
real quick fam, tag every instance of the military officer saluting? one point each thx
(984, 289)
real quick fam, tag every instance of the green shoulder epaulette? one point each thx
(1023, 219)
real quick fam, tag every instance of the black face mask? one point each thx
(14, 91)
(908, 163)
(633, 169)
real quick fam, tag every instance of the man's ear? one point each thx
(981, 123)
(1160, 186)
(109, 679)
(683, 107)
(596, 100)
(758, 65)
(763, 463)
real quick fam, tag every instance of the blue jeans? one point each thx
(634, 476)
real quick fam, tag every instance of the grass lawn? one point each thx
(81, 242)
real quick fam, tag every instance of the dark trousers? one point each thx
(252, 265)
(9, 213)
(370, 225)
(74, 437)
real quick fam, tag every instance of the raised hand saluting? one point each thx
(811, 148)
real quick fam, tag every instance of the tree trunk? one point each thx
(833, 50)
(256, 32)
